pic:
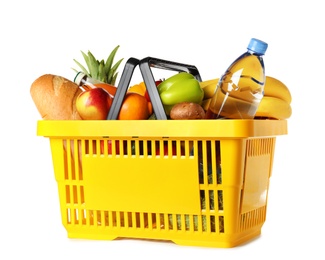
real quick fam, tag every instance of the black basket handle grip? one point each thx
(122, 88)
(145, 68)
(171, 65)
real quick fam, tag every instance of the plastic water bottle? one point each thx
(241, 87)
(84, 81)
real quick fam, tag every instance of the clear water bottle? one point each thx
(84, 81)
(241, 87)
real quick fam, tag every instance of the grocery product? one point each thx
(105, 71)
(55, 97)
(181, 87)
(275, 104)
(240, 89)
(273, 108)
(187, 110)
(85, 82)
(193, 182)
(276, 88)
(94, 104)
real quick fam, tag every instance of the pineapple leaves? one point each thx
(84, 70)
(110, 59)
(114, 79)
(100, 70)
(92, 65)
(113, 71)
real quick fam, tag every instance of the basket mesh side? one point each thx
(209, 175)
(259, 159)
(207, 152)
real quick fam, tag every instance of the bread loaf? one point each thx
(55, 97)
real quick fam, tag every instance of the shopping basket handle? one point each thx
(145, 67)
(122, 88)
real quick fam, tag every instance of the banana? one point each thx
(208, 82)
(273, 107)
(275, 88)
(209, 91)
(276, 102)
(269, 107)
(206, 103)
(209, 87)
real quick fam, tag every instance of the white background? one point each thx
(39, 37)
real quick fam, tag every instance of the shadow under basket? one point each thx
(193, 182)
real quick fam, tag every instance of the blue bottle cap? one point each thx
(257, 46)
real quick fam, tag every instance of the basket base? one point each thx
(208, 241)
(220, 243)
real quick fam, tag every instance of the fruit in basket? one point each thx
(108, 87)
(85, 83)
(138, 88)
(94, 104)
(275, 88)
(187, 110)
(205, 104)
(274, 108)
(102, 70)
(275, 104)
(181, 87)
(142, 89)
(209, 87)
(135, 107)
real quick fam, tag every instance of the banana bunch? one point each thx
(208, 86)
(275, 104)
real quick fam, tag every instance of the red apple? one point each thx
(94, 104)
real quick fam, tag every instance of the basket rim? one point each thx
(231, 128)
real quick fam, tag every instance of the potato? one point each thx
(187, 110)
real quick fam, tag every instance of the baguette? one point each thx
(55, 97)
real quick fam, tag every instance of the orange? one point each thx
(150, 108)
(134, 107)
(139, 88)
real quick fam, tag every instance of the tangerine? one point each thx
(134, 107)
(138, 88)
(150, 108)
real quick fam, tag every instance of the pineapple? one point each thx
(100, 70)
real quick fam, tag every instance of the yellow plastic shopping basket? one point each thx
(193, 182)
